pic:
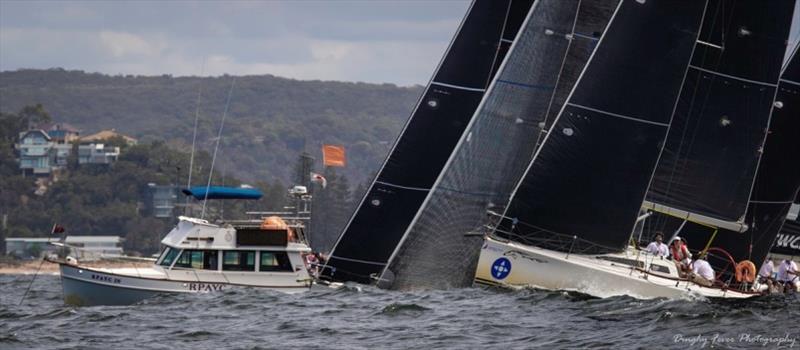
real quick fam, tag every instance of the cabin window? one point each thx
(198, 259)
(259, 237)
(234, 260)
(169, 256)
(629, 262)
(210, 260)
(275, 261)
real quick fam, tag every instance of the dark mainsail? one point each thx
(427, 140)
(776, 184)
(590, 175)
(551, 50)
(714, 145)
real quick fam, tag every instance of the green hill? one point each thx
(270, 119)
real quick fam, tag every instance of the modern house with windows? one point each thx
(39, 154)
(97, 153)
(43, 150)
(162, 200)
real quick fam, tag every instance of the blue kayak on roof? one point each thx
(220, 192)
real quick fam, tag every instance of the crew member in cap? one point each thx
(681, 256)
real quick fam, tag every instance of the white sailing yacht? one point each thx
(688, 148)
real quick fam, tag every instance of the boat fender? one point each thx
(72, 261)
(745, 271)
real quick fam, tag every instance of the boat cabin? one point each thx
(269, 246)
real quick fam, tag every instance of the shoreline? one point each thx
(31, 267)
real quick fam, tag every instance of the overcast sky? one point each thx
(398, 42)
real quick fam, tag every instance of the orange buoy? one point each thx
(745, 271)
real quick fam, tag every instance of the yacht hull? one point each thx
(516, 265)
(84, 286)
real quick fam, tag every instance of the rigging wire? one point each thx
(216, 148)
(194, 134)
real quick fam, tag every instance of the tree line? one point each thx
(113, 199)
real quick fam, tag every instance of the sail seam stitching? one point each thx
(618, 115)
(732, 76)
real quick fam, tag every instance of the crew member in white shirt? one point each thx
(787, 274)
(658, 248)
(702, 272)
(766, 272)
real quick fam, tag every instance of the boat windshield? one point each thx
(168, 256)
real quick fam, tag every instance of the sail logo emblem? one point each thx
(501, 268)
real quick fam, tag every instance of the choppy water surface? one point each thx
(360, 317)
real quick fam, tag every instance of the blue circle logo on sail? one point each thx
(501, 268)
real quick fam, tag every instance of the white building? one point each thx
(82, 247)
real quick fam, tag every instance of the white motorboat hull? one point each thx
(517, 265)
(88, 286)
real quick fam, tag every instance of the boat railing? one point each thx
(570, 244)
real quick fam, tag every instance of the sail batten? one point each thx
(467, 88)
(733, 76)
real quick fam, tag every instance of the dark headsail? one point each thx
(713, 149)
(552, 48)
(589, 177)
(427, 140)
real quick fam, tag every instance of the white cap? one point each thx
(677, 238)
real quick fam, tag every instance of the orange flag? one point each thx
(333, 155)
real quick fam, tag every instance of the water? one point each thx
(361, 317)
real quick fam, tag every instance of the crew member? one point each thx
(312, 263)
(787, 275)
(681, 256)
(657, 247)
(765, 274)
(702, 272)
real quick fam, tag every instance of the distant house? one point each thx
(107, 134)
(163, 200)
(36, 153)
(97, 154)
(84, 247)
(43, 150)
